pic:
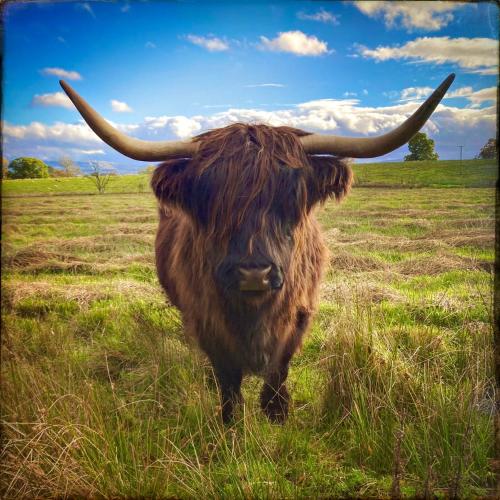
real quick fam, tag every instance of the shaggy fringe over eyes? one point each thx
(246, 165)
(240, 171)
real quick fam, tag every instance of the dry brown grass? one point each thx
(142, 229)
(346, 261)
(85, 254)
(369, 292)
(438, 263)
(42, 261)
(35, 259)
(444, 239)
(106, 243)
(13, 292)
(138, 219)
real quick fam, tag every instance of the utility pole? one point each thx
(461, 147)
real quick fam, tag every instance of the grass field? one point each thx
(467, 173)
(392, 392)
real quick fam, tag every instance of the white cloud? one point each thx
(55, 99)
(339, 116)
(87, 8)
(460, 92)
(150, 45)
(184, 127)
(349, 94)
(89, 151)
(61, 39)
(125, 8)
(428, 16)
(476, 98)
(61, 73)
(211, 43)
(322, 16)
(53, 152)
(448, 124)
(277, 85)
(485, 71)
(66, 133)
(294, 42)
(480, 96)
(418, 93)
(477, 55)
(120, 107)
(180, 126)
(415, 93)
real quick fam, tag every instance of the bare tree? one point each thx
(70, 168)
(101, 173)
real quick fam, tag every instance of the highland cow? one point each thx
(238, 248)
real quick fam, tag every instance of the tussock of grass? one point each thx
(35, 259)
(21, 292)
(140, 229)
(352, 262)
(406, 264)
(363, 292)
(426, 384)
(440, 263)
(432, 242)
(98, 258)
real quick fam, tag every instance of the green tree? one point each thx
(421, 148)
(489, 150)
(27, 168)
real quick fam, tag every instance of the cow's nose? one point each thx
(254, 279)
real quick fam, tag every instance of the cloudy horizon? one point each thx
(350, 68)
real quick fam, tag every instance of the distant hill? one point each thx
(85, 167)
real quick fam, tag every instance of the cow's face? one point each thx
(248, 191)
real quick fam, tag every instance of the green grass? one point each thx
(467, 173)
(102, 396)
(443, 173)
(133, 183)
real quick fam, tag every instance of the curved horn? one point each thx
(128, 146)
(369, 147)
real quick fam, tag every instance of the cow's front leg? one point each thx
(229, 380)
(274, 397)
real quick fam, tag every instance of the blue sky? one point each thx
(168, 70)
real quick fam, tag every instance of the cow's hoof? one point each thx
(227, 415)
(228, 407)
(274, 403)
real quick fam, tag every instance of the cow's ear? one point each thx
(331, 177)
(169, 181)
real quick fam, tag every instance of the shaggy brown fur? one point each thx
(246, 197)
